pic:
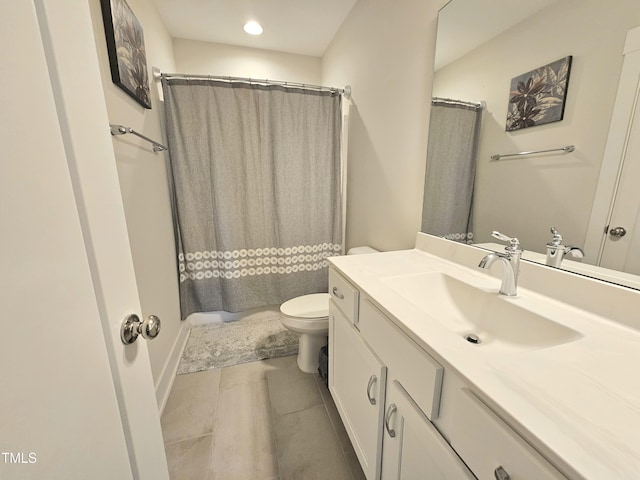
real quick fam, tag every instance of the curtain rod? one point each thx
(121, 130)
(346, 91)
(481, 104)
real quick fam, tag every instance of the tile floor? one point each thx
(263, 420)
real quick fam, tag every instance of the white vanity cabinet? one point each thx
(388, 391)
(412, 447)
(363, 347)
(357, 378)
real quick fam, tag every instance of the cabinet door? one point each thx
(412, 447)
(357, 383)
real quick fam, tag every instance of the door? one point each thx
(622, 238)
(613, 239)
(357, 383)
(75, 402)
(412, 448)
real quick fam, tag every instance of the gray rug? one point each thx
(223, 344)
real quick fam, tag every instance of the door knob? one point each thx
(617, 232)
(133, 326)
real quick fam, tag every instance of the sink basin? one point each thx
(480, 315)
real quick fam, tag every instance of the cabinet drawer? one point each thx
(344, 295)
(417, 371)
(486, 443)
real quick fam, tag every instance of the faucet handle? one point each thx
(557, 238)
(514, 243)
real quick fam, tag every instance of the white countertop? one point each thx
(578, 403)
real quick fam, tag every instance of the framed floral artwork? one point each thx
(538, 97)
(125, 44)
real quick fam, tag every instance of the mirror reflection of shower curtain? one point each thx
(256, 171)
(454, 131)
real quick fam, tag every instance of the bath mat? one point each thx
(224, 344)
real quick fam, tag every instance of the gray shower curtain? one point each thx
(454, 131)
(256, 173)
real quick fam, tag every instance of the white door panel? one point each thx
(617, 201)
(58, 404)
(621, 252)
(72, 394)
(85, 128)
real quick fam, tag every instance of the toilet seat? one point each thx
(308, 307)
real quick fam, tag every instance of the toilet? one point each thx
(308, 315)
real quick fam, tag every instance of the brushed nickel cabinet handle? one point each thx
(372, 380)
(390, 411)
(501, 473)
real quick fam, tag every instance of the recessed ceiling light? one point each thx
(253, 28)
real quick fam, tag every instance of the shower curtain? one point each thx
(454, 131)
(256, 173)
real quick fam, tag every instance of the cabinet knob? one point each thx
(372, 381)
(390, 411)
(501, 473)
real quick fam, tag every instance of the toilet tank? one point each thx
(361, 250)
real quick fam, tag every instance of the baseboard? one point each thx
(165, 382)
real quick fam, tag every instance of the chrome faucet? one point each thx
(511, 263)
(556, 251)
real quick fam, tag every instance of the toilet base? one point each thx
(309, 351)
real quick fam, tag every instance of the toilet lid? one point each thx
(315, 305)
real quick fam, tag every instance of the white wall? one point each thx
(525, 196)
(143, 181)
(385, 51)
(215, 59)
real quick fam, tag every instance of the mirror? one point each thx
(481, 46)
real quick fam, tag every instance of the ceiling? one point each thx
(303, 27)
(462, 26)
